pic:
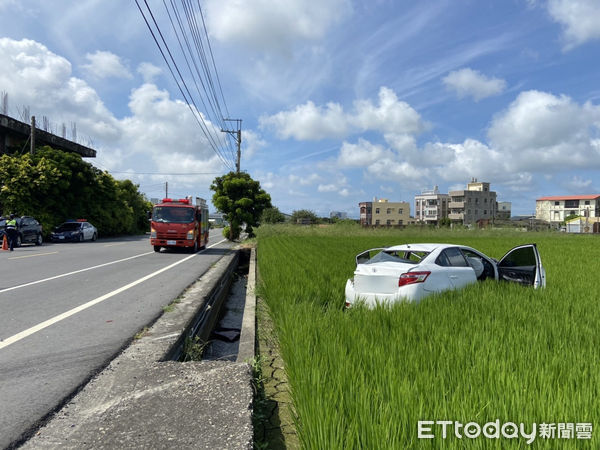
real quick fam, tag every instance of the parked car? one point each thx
(77, 231)
(29, 230)
(411, 272)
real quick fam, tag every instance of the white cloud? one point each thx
(104, 64)
(34, 76)
(468, 82)
(149, 71)
(389, 116)
(252, 142)
(362, 154)
(311, 122)
(308, 122)
(540, 131)
(304, 180)
(272, 25)
(327, 188)
(579, 19)
(578, 185)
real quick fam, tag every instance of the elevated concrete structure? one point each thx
(14, 133)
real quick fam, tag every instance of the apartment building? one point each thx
(431, 206)
(474, 204)
(555, 209)
(382, 212)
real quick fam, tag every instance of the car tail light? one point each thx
(412, 278)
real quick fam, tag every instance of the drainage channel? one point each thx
(215, 334)
(224, 341)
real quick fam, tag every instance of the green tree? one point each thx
(303, 216)
(53, 186)
(241, 199)
(272, 215)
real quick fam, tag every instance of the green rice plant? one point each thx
(363, 378)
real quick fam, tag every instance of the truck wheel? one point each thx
(157, 248)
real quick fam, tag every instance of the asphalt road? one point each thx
(67, 309)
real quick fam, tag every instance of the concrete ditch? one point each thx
(146, 399)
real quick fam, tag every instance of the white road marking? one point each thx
(23, 334)
(72, 273)
(31, 256)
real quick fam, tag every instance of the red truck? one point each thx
(179, 223)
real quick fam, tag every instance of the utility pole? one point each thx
(237, 135)
(32, 136)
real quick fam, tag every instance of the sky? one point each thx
(341, 101)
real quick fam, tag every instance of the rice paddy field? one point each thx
(493, 353)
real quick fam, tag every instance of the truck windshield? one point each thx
(172, 214)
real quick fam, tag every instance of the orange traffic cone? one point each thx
(4, 243)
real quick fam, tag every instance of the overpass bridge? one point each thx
(14, 134)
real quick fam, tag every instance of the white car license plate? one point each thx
(171, 242)
(61, 237)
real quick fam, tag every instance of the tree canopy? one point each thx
(272, 215)
(53, 186)
(304, 216)
(241, 199)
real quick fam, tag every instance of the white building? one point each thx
(431, 206)
(557, 208)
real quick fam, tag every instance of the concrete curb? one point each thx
(246, 350)
(140, 401)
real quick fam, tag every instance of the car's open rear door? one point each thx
(523, 265)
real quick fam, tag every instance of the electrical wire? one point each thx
(181, 83)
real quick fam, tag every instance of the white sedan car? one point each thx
(411, 272)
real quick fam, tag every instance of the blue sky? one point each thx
(341, 100)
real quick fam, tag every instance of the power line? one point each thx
(169, 174)
(179, 79)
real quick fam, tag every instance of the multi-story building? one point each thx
(366, 213)
(381, 212)
(504, 210)
(431, 206)
(474, 204)
(556, 209)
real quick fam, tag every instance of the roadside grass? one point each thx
(363, 378)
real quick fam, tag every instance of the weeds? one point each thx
(193, 348)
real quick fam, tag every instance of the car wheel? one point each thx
(157, 248)
(19, 241)
(81, 237)
(94, 237)
(38, 241)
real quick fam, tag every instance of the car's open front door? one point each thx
(523, 265)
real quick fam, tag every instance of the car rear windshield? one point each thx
(69, 226)
(173, 214)
(411, 257)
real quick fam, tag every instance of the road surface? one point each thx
(67, 309)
